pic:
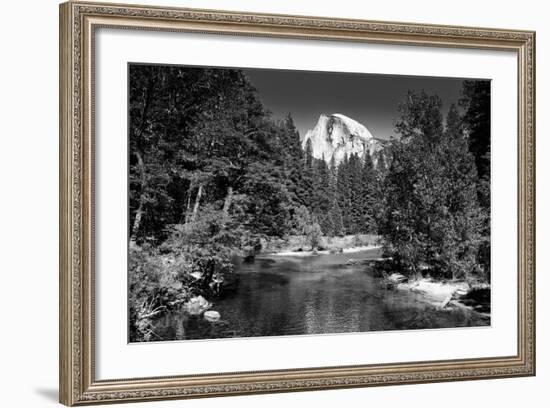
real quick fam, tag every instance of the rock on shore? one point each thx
(452, 294)
(212, 316)
(435, 292)
(196, 305)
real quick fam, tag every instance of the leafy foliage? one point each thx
(432, 217)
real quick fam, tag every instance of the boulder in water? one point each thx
(461, 292)
(196, 275)
(249, 254)
(196, 305)
(396, 278)
(212, 316)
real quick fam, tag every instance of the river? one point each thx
(292, 295)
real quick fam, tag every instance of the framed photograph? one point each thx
(256, 203)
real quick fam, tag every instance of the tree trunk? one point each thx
(227, 202)
(140, 210)
(197, 202)
(188, 208)
(141, 166)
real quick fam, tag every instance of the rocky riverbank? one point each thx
(328, 251)
(297, 245)
(446, 294)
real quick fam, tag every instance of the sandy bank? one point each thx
(326, 252)
(298, 245)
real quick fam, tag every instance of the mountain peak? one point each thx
(337, 135)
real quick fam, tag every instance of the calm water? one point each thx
(312, 295)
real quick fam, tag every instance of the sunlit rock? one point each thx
(212, 316)
(196, 305)
(338, 136)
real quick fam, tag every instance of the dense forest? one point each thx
(212, 175)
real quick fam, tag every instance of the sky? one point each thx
(369, 99)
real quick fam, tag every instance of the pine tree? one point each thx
(431, 209)
(308, 189)
(368, 195)
(420, 118)
(320, 205)
(334, 212)
(356, 194)
(476, 101)
(293, 159)
(344, 193)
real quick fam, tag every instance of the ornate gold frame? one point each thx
(78, 20)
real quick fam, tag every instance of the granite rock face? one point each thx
(337, 135)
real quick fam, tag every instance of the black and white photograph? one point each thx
(267, 202)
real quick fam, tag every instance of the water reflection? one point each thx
(312, 295)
